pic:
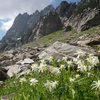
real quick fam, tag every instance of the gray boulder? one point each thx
(25, 61)
(6, 97)
(59, 49)
(3, 75)
(14, 69)
(6, 63)
(68, 28)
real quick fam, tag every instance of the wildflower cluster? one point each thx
(44, 67)
(84, 61)
(50, 85)
(62, 79)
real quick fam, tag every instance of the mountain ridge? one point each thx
(22, 22)
(81, 16)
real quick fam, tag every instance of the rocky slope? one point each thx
(17, 29)
(45, 26)
(81, 16)
(86, 17)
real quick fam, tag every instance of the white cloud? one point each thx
(11, 8)
(6, 25)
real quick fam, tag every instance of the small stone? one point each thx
(5, 97)
(27, 61)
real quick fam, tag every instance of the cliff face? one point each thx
(65, 9)
(85, 16)
(17, 29)
(81, 16)
(23, 22)
(85, 20)
(48, 24)
(35, 17)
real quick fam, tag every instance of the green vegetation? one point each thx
(97, 48)
(63, 79)
(51, 38)
(46, 40)
(73, 30)
(63, 36)
(89, 33)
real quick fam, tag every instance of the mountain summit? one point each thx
(81, 16)
(24, 21)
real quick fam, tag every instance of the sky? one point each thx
(9, 9)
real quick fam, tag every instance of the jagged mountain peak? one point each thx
(63, 2)
(24, 21)
(36, 12)
(47, 10)
(81, 16)
(65, 9)
(48, 7)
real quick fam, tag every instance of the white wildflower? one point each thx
(54, 84)
(65, 58)
(70, 63)
(51, 58)
(43, 61)
(56, 71)
(72, 79)
(62, 67)
(80, 53)
(91, 55)
(82, 67)
(77, 75)
(42, 67)
(75, 60)
(51, 85)
(96, 84)
(93, 60)
(88, 74)
(58, 60)
(34, 67)
(73, 92)
(22, 80)
(33, 81)
(79, 62)
(48, 85)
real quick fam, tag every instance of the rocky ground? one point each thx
(18, 60)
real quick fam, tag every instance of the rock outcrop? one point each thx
(48, 24)
(65, 9)
(85, 20)
(85, 16)
(35, 17)
(3, 74)
(19, 60)
(17, 29)
(59, 49)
